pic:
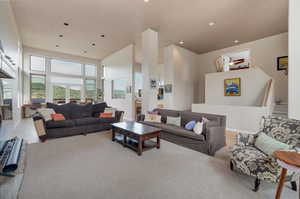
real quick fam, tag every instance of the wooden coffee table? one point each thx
(136, 136)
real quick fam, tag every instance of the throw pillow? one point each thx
(110, 110)
(105, 115)
(269, 145)
(198, 128)
(152, 118)
(174, 120)
(46, 113)
(57, 117)
(190, 125)
(204, 120)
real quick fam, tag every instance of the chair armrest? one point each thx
(215, 136)
(119, 115)
(246, 139)
(140, 117)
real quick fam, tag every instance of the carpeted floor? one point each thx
(92, 167)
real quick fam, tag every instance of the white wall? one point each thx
(12, 44)
(263, 52)
(120, 65)
(294, 59)
(28, 51)
(180, 71)
(253, 85)
(238, 118)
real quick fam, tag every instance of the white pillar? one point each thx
(150, 50)
(294, 59)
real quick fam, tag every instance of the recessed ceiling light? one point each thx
(146, 1)
(181, 42)
(61, 35)
(84, 51)
(211, 23)
(93, 44)
(102, 36)
(66, 24)
(56, 46)
(236, 41)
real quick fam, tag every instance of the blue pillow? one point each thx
(190, 125)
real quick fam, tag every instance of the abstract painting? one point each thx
(232, 87)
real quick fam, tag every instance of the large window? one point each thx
(69, 68)
(66, 81)
(38, 89)
(90, 89)
(37, 64)
(90, 70)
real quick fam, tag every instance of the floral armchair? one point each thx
(246, 158)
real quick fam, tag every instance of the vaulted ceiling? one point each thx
(122, 21)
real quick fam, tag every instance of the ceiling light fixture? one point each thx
(66, 24)
(236, 41)
(61, 35)
(102, 35)
(181, 42)
(211, 23)
(84, 51)
(56, 46)
(146, 1)
(93, 44)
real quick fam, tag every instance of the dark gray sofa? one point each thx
(211, 139)
(80, 119)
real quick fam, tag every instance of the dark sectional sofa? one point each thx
(80, 119)
(211, 139)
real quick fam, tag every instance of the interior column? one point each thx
(150, 52)
(294, 59)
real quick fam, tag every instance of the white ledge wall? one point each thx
(238, 118)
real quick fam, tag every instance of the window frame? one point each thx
(42, 75)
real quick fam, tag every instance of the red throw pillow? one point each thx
(105, 115)
(57, 117)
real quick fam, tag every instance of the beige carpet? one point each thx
(92, 167)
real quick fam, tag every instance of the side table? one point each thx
(288, 161)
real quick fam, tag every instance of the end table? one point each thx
(288, 161)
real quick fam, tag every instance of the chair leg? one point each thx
(231, 166)
(256, 184)
(294, 185)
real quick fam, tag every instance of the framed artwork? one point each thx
(160, 94)
(153, 83)
(232, 87)
(282, 63)
(168, 88)
(119, 88)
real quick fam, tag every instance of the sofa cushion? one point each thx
(269, 145)
(108, 120)
(86, 121)
(81, 110)
(98, 108)
(187, 116)
(59, 124)
(64, 109)
(179, 131)
(166, 112)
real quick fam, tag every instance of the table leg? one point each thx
(281, 183)
(113, 134)
(140, 147)
(124, 140)
(158, 142)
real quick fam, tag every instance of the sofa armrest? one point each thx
(39, 125)
(215, 136)
(246, 139)
(140, 117)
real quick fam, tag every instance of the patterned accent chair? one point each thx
(247, 159)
